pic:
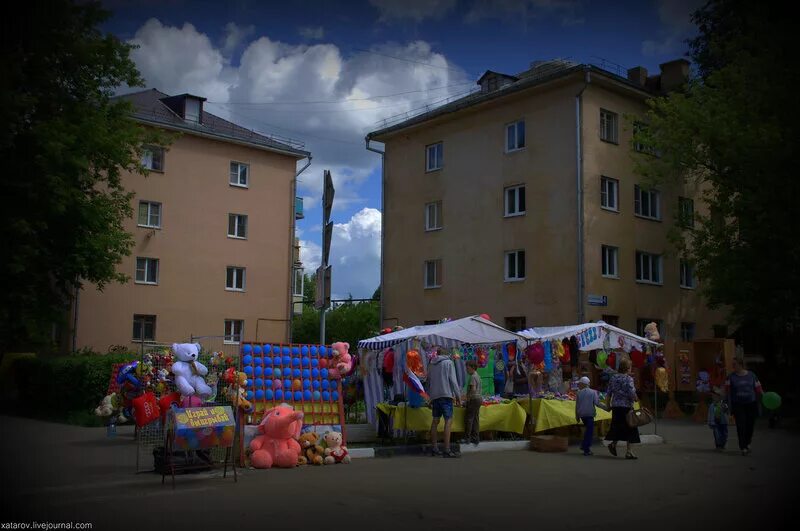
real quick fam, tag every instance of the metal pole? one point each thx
(322, 318)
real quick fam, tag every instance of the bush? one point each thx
(66, 388)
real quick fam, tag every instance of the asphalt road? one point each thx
(60, 473)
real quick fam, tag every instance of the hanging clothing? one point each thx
(548, 356)
(567, 353)
(574, 351)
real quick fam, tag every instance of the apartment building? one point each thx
(520, 200)
(214, 235)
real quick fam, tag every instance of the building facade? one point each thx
(520, 200)
(214, 236)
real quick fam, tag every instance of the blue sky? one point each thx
(327, 72)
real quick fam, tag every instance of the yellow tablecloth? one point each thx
(549, 414)
(497, 417)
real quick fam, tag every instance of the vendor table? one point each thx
(495, 417)
(550, 414)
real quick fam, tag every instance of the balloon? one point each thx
(314, 362)
(315, 373)
(286, 361)
(259, 371)
(286, 351)
(287, 384)
(268, 394)
(296, 373)
(267, 349)
(326, 395)
(326, 384)
(304, 350)
(335, 395)
(268, 372)
(771, 400)
(306, 373)
(247, 359)
(295, 351)
(259, 382)
(324, 373)
(259, 394)
(278, 394)
(257, 350)
(486, 316)
(259, 361)
(249, 395)
(306, 384)
(307, 395)
(248, 370)
(268, 384)
(323, 351)
(602, 356)
(249, 383)
(276, 384)
(247, 349)
(298, 395)
(313, 351)
(305, 362)
(297, 385)
(276, 373)
(295, 362)
(315, 384)
(317, 395)
(323, 363)
(268, 361)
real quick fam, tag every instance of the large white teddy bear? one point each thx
(188, 371)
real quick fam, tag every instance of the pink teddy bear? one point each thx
(277, 445)
(342, 362)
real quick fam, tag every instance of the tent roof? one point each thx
(473, 330)
(561, 332)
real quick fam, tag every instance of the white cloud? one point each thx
(234, 36)
(416, 10)
(675, 16)
(355, 254)
(312, 32)
(524, 10)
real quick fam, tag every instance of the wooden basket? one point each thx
(549, 443)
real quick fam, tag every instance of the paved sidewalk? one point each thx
(64, 473)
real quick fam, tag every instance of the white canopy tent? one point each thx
(591, 336)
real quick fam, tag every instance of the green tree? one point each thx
(63, 143)
(733, 134)
(310, 290)
(349, 322)
(376, 296)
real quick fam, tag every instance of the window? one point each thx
(515, 136)
(237, 226)
(515, 266)
(687, 275)
(149, 214)
(686, 212)
(233, 331)
(608, 126)
(297, 284)
(640, 128)
(687, 332)
(147, 270)
(433, 274)
(609, 193)
(648, 268)
(434, 158)
(153, 158)
(515, 324)
(144, 327)
(514, 201)
(610, 260)
(234, 280)
(644, 321)
(239, 174)
(646, 203)
(613, 320)
(433, 216)
(720, 331)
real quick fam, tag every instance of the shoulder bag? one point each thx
(639, 417)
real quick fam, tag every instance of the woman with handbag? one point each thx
(621, 395)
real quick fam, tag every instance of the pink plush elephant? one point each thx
(277, 443)
(342, 362)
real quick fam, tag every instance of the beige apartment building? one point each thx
(520, 200)
(213, 224)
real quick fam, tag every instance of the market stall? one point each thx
(394, 366)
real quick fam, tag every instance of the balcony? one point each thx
(298, 208)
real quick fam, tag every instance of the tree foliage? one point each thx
(63, 144)
(733, 133)
(349, 322)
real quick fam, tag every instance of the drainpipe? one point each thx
(383, 218)
(292, 229)
(579, 190)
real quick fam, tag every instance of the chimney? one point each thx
(187, 106)
(638, 75)
(674, 74)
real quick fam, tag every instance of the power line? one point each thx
(338, 101)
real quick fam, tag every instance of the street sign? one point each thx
(597, 300)
(327, 234)
(323, 293)
(327, 197)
